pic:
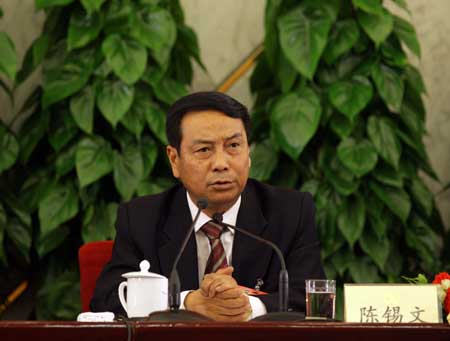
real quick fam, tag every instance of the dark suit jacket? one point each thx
(153, 227)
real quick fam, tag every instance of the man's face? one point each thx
(214, 158)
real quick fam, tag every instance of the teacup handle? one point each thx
(122, 287)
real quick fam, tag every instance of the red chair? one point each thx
(92, 258)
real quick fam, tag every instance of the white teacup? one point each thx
(146, 292)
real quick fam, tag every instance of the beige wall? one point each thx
(229, 30)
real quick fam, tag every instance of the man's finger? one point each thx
(225, 271)
(230, 293)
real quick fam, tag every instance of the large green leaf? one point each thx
(377, 248)
(360, 157)
(382, 133)
(393, 54)
(168, 90)
(65, 161)
(93, 159)
(341, 125)
(156, 29)
(52, 240)
(388, 175)
(134, 119)
(92, 5)
(271, 47)
(188, 41)
(341, 260)
(369, 6)
(377, 26)
(156, 120)
(21, 236)
(154, 186)
(422, 195)
(379, 218)
(351, 218)
(83, 28)
(390, 86)
(407, 34)
(414, 79)
(58, 206)
(285, 72)
(63, 129)
(65, 80)
(351, 96)
(264, 160)
(128, 170)
(421, 238)
(363, 271)
(34, 189)
(9, 148)
(397, 200)
(114, 99)
(33, 57)
(8, 58)
(149, 151)
(303, 35)
(50, 3)
(126, 57)
(295, 119)
(32, 132)
(344, 35)
(59, 296)
(82, 108)
(343, 181)
(17, 206)
(98, 222)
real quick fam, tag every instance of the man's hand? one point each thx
(233, 307)
(218, 282)
(220, 298)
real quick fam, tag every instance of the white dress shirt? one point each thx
(227, 238)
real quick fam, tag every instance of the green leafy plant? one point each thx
(95, 135)
(339, 113)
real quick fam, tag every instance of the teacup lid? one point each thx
(144, 273)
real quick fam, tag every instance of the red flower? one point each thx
(447, 302)
(439, 277)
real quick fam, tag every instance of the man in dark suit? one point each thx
(209, 153)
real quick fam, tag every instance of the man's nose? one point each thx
(220, 161)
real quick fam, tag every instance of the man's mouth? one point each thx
(221, 184)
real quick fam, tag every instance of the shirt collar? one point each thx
(229, 217)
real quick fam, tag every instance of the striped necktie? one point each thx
(217, 258)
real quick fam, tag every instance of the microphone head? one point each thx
(217, 217)
(202, 203)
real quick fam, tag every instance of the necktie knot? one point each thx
(212, 231)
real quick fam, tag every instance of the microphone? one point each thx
(174, 313)
(283, 279)
(174, 279)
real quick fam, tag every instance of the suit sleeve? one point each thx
(125, 257)
(302, 259)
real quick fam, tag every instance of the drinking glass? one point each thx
(320, 299)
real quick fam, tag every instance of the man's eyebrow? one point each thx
(233, 136)
(205, 141)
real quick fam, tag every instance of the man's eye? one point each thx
(235, 145)
(203, 150)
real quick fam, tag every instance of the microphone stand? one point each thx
(174, 313)
(283, 280)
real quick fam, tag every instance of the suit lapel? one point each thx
(250, 258)
(174, 230)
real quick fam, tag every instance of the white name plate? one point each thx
(392, 303)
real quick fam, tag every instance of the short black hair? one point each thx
(207, 100)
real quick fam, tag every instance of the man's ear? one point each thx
(249, 161)
(174, 159)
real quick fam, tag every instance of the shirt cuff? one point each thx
(183, 295)
(258, 307)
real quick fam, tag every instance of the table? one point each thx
(199, 331)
